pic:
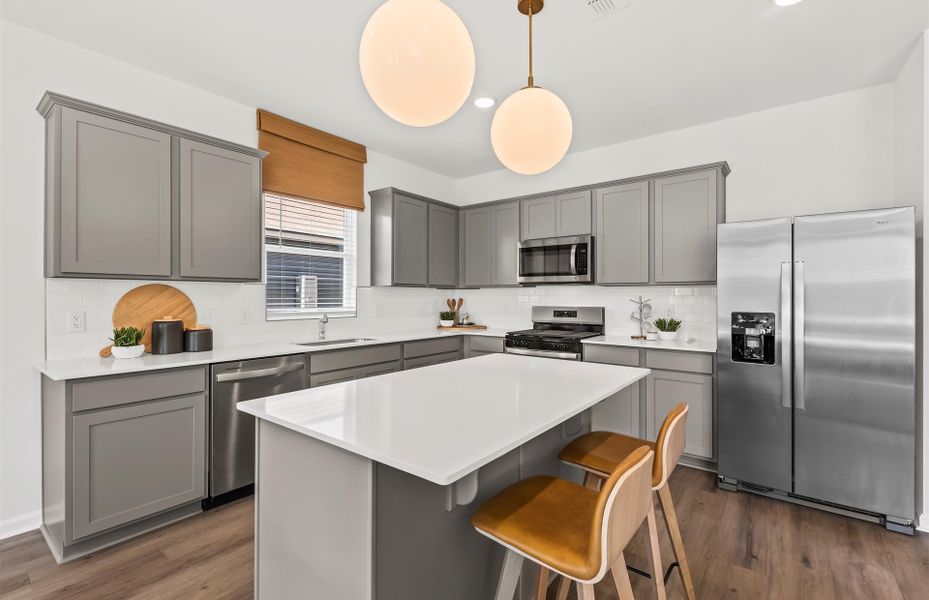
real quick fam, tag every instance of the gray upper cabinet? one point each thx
(506, 243)
(443, 246)
(687, 210)
(479, 250)
(622, 235)
(220, 222)
(556, 216)
(110, 206)
(133, 198)
(414, 240)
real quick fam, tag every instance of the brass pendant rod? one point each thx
(531, 81)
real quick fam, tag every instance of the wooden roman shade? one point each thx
(307, 163)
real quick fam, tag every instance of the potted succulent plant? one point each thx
(447, 318)
(127, 342)
(668, 329)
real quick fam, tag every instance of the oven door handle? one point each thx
(543, 353)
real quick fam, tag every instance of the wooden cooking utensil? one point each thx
(140, 306)
(460, 302)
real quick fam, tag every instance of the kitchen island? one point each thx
(365, 488)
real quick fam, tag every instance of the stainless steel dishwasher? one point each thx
(232, 433)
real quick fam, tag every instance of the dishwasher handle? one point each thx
(257, 373)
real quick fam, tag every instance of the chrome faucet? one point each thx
(322, 326)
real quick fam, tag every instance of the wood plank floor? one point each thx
(739, 545)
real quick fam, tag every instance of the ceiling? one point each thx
(653, 66)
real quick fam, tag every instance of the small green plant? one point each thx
(127, 336)
(447, 315)
(669, 325)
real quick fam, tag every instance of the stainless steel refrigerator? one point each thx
(816, 361)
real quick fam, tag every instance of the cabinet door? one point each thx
(506, 243)
(685, 227)
(622, 238)
(664, 389)
(479, 246)
(383, 369)
(538, 218)
(443, 246)
(619, 413)
(220, 213)
(572, 214)
(411, 241)
(134, 461)
(340, 376)
(115, 211)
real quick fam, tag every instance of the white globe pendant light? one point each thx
(532, 129)
(417, 61)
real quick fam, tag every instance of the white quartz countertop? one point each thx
(627, 341)
(79, 368)
(443, 422)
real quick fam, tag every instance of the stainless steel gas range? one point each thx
(557, 332)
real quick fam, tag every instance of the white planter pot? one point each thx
(128, 351)
(444, 323)
(668, 336)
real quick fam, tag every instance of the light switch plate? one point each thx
(75, 322)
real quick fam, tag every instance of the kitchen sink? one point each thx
(336, 342)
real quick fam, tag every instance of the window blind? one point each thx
(311, 254)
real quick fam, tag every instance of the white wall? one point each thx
(830, 154)
(30, 64)
(911, 94)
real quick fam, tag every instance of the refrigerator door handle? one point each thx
(799, 332)
(786, 325)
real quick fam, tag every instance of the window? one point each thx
(311, 252)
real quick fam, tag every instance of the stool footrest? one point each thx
(667, 573)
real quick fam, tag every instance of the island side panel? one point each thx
(423, 551)
(313, 518)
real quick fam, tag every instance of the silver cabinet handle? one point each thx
(257, 373)
(543, 353)
(786, 328)
(800, 333)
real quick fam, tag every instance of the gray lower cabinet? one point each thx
(337, 366)
(220, 222)
(134, 461)
(622, 412)
(109, 197)
(556, 216)
(443, 246)
(414, 240)
(622, 236)
(687, 209)
(479, 345)
(129, 197)
(665, 389)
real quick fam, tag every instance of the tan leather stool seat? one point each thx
(601, 451)
(547, 519)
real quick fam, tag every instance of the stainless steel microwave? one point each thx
(557, 260)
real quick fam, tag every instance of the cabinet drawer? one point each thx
(426, 347)
(432, 359)
(343, 375)
(670, 360)
(135, 461)
(478, 343)
(356, 357)
(611, 355)
(91, 394)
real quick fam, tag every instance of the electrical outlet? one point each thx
(75, 322)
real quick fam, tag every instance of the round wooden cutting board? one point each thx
(140, 306)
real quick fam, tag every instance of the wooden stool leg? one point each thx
(542, 589)
(591, 481)
(564, 584)
(677, 542)
(509, 576)
(585, 591)
(657, 569)
(621, 578)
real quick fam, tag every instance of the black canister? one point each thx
(198, 339)
(167, 336)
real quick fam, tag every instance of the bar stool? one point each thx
(576, 532)
(598, 453)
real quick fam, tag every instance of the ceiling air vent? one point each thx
(602, 8)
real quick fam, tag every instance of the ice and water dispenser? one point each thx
(753, 338)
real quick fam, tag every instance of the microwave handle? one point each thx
(574, 259)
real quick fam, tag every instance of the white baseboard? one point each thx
(923, 524)
(20, 524)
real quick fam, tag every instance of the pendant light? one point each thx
(532, 129)
(417, 61)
